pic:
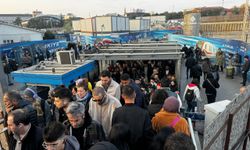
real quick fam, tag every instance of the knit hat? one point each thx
(30, 93)
(171, 104)
(246, 56)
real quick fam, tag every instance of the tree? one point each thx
(236, 10)
(18, 21)
(48, 35)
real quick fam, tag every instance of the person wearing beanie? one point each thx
(40, 105)
(168, 116)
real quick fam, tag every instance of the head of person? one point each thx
(62, 97)
(179, 141)
(125, 79)
(246, 58)
(76, 114)
(99, 95)
(105, 78)
(128, 94)
(17, 121)
(119, 135)
(243, 89)
(195, 81)
(104, 145)
(82, 89)
(159, 96)
(30, 95)
(210, 76)
(171, 104)
(160, 138)
(54, 136)
(11, 100)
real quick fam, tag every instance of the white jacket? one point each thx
(114, 88)
(103, 113)
(194, 87)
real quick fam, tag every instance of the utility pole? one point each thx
(245, 23)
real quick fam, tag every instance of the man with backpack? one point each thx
(192, 94)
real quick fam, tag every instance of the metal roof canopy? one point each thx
(144, 45)
(149, 51)
(141, 49)
(134, 56)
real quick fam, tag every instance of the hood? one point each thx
(104, 145)
(71, 143)
(192, 85)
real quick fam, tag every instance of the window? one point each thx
(4, 41)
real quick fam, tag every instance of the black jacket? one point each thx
(33, 140)
(90, 133)
(245, 67)
(190, 62)
(209, 89)
(138, 122)
(153, 109)
(196, 71)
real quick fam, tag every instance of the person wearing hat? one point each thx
(245, 69)
(40, 105)
(168, 116)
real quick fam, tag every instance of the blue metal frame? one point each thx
(54, 79)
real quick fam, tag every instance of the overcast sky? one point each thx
(87, 8)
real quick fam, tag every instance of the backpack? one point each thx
(189, 96)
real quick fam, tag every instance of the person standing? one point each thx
(101, 108)
(26, 135)
(192, 94)
(55, 138)
(80, 124)
(136, 118)
(245, 69)
(206, 67)
(170, 117)
(139, 99)
(190, 62)
(196, 71)
(110, 86)
(210, 85)
(220, 59)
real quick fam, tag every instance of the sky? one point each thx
(88, 8)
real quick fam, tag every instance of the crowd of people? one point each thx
(117, 112)
(135, 105)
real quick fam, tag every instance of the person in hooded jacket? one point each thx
(54, 136)
(42, 107)
(194, 85)
(210, 85)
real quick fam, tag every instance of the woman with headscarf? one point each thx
(168, 116)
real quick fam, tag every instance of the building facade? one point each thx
(12, 34)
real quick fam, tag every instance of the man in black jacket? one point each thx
(190, 62)
(139, 98)
(13, 100)
(136, 118)
(26, 136)
(245, 69)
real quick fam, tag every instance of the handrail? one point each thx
(192, 133)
